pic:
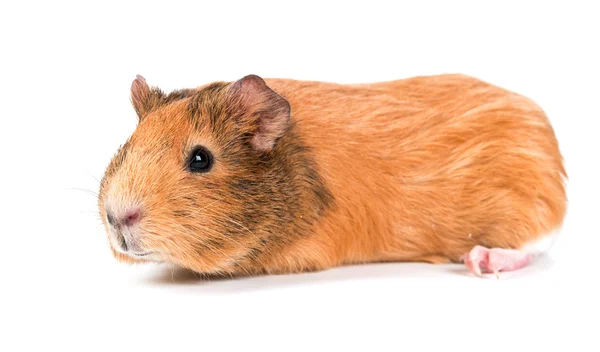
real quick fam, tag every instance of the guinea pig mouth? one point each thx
(140, 254)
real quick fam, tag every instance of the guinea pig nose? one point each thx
(131, 217)
(128, 218)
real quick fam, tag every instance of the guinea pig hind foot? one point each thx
(494, 260)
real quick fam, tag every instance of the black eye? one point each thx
(200, 160)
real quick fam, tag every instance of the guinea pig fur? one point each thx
(281, 176)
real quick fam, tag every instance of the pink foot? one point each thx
(495, 260)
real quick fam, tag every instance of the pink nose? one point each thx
(131, 217)
(127, 218)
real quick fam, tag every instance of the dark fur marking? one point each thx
(205, 105)
(179, 94)
(115, 163)
(215, 242)
(181, 213)
(276, 189)
(121, 155)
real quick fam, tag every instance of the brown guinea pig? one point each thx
(280, 176)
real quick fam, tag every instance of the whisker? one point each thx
(82, 190)
(94, 177)
(208, 205)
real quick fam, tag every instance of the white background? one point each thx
(65, 71)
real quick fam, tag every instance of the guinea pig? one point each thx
(275, 176)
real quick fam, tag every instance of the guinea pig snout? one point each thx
(124, 229)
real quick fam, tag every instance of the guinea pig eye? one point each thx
(200, 160)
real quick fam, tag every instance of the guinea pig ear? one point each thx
(144, 98)
(267, 112)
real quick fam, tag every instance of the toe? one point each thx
(476, 259)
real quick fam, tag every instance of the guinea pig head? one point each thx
(210, 179)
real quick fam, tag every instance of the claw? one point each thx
(477, 271)
(472, 262)
(475, 264)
